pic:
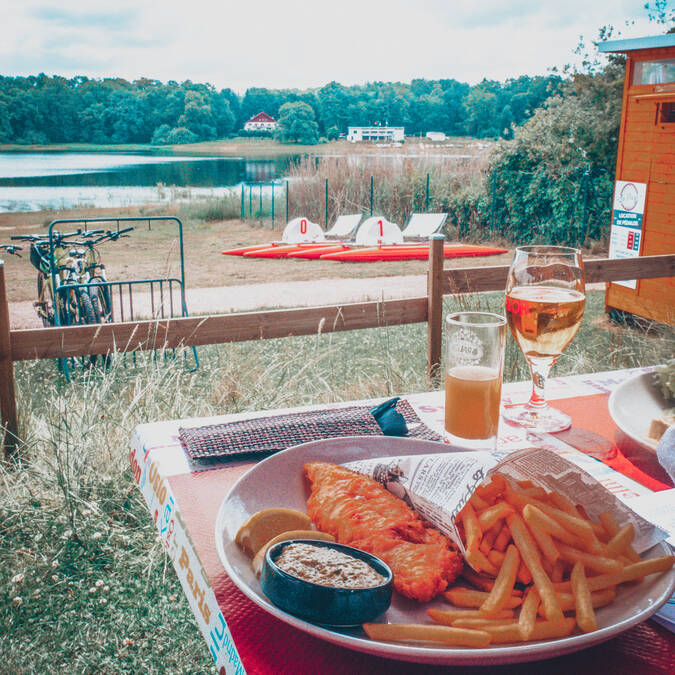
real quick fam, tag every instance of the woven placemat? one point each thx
(266, 435)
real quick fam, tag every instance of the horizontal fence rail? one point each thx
(73, 341)
(67, 341)
(480, 279)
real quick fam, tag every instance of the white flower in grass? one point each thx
(92, 589)
(102, 601)
(55, 577)
(55, 564)
(67, 534)
(98, 583)
(17, 601)
(18, 578)
(106, 588)
(96, 535)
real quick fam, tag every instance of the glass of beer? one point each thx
(545, 299)
(474, 368)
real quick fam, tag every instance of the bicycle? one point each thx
(93, 271)
(77, 264)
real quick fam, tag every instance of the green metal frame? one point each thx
(63, 363)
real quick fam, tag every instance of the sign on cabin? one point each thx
(627, 215)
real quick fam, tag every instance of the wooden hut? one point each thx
(643, 214)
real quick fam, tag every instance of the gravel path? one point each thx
(224, 299)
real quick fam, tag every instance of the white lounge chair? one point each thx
(302, 231)
(378, 230)
(344, 227)
(424, 225)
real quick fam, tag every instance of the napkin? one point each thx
(389, 419)
(665, 451)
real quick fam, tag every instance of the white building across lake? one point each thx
(376, 134)
(261, 122)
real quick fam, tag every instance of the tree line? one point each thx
(43, 109)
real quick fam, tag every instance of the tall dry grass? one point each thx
(399, 185)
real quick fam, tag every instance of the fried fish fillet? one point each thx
(359, 512)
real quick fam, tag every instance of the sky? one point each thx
(304, 43)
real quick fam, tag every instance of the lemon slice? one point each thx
(259, 557)
(267, 524)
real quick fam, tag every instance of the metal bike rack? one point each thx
(162, 290)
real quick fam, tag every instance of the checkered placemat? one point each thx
(266, 435)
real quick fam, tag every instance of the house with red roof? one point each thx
(261, 122)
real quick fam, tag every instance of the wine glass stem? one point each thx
(540, 366)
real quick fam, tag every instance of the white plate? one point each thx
(279, 481)
(634, 404)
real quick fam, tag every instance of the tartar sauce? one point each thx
(327, 567)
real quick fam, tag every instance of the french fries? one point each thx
(411, 632)
(521, 536)
(468, 597)
(582, 600)
(506, 578)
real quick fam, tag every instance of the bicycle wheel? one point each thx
(100, 300)
(86, 315)
(102, 306)
(45, 303)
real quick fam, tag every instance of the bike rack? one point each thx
(121, 293)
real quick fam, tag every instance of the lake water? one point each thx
(37, 181)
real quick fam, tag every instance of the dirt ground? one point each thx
(210, 276)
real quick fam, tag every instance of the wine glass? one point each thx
(545, 299)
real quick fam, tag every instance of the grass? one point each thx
(399, 183)
(85, 586)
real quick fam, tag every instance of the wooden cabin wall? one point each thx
(646, 154)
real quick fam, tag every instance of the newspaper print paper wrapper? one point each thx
(438, 486)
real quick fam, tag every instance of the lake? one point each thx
(38, 181)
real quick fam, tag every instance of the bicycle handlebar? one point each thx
(56, 236)
(12, 249)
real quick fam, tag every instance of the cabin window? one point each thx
(654, 72)
(666, 112)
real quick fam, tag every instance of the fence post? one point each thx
(286, 202)
(273, 204)
(371, 196)
(243, 203)
(260, 204)
(250, 200)
(326, 200)
(435, 308)
(426, 201)
(7, 395)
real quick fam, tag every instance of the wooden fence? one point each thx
(71, 341)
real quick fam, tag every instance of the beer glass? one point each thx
(474, 368)
(545, 299)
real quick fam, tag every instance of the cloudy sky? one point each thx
(303, 43)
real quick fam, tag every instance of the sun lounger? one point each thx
(424, 225)
(344, 227)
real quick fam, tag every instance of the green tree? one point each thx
(297, 124)
(198, 117)
(181, 135)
